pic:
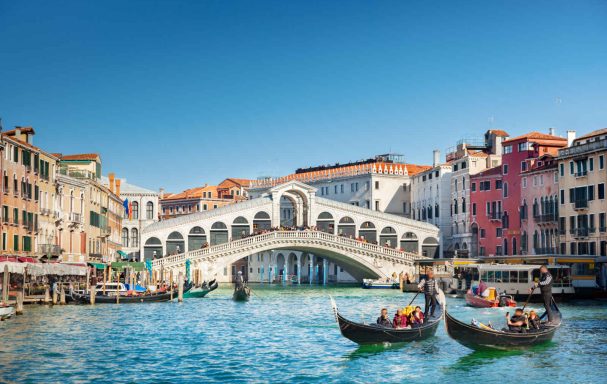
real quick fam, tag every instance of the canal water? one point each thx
(281, 335)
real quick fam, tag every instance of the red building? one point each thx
(501, 206)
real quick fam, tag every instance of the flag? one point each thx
(125, 204)
(130, 211)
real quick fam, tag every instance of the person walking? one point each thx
(429, 286)
(545, 285)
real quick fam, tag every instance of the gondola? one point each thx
(242, 293)
(474, 337)
(147, 298)
(375, 334)
(205, 289)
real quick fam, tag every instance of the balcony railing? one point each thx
(75, 217)
(49, 249)
(495, 215)
(583, 148)
(602, 229)
(581, 174)
(581, 204)
(547, 218)
(31, 226)
(579, 232)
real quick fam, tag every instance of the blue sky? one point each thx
(176, 94)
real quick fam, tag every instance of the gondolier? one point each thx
(545, 285)
(430, 288)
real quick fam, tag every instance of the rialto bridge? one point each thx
(366, 243)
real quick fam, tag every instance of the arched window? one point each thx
(149, 210)
(463, 205)
(125, 237)
(505, 189)
(135, 210)
(134, 237)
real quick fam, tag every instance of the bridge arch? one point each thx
(262, 221)
(240, 228)
(325, 222)
(409, 242)
(300, 196)
(153, 244)
(346, 227)
(368, 231)
(219, 233)
(175, 243)
(196, 238)
(430, 247)
(388, 237)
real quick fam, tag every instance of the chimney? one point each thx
(436, 157)
(111, 178)
(161, 193)
(551, 131)
(570, 138)
(117, 187)
(18, 133)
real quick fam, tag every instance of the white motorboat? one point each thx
(6, 311)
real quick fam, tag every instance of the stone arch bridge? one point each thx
(213, 240)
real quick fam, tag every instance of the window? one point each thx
(562, 196)
(498, 232)
(474, 209)
(498, 184)
(377, 185)
(342, 188)
(482, 233)
(464, 205)
(601, 161)
(125, 237)
(335, 189)
(473, 187)
(505, 168)
(524, 147)
(464, 165)
(524, 182)
(507, 149)
(15, 242)
(149, 210)
(135, 210)
(134, 237)
(591, 164)
(571, 168)
(562, 169)
(523, 166)
(377, 205)
(505, 190)
(601, 191)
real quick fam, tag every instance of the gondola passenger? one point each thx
(533, 321)
(516, 323)
(383, 319)
(417, 317)
(400, 320)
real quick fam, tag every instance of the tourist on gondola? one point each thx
(517, 322)
(430, 288)
(545, 285)
(533, 321)
(383, 320)
(239, 280)
(400, 320)
(417, 316)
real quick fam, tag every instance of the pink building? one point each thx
(486, 211)
(539, 207)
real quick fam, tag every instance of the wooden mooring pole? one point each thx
(180, 288)
(5, 280)
(62, 295)
(171, 283)
(19, 306)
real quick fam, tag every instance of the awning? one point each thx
(42, 269)
(97, 265)
(123, 254)
(125, 264)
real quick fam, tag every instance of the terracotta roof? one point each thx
(23, 130)
(598, 132)
(192, 193)
(535, 136)
(414, 169)
(499, 132)
(81, 156)
(8, 136)
(489, 172)
(472, 153)
(232, 181)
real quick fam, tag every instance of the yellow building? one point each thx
(582, 203)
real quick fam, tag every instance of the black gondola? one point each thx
(146, 298)
(375, 334)
(476, 338)
(242, 293)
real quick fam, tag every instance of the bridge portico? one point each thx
(369, 243)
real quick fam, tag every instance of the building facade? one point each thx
(582, 204)
(486, 212)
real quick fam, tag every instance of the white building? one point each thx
(431, 198)
(144, 205)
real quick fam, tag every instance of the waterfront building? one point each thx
(68, 212)
(539, 214)
(102, 219)
(431, 197)
(382, 183)
(582, 204)
(20, 192)
(200, 199)
(486, 212)
(143, 204)
(46, 246)
(469, 157)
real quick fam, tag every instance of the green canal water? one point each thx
(281, 335)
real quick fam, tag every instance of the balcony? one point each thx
(545, 251)
(77, 173)
(581, 204)
(106, 232)
(497, 216)
(579, 232)
(49, 249)
(583, 148)
(581, 174)
(31, 226)
(75, 218)
(602, 229)
(46, 212)
(547, 218)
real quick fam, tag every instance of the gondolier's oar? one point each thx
(414, 297)
(529, 298)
